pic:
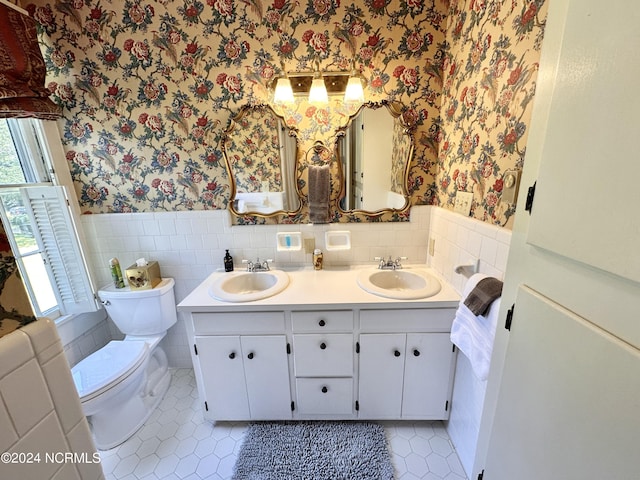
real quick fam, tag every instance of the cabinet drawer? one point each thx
(324, 396)
(328, 355)
(239, 323)
(407, 320)
(322, 321)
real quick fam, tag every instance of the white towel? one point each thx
(474, 335)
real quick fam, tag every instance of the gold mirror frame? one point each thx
(234, 125)
(395, 110)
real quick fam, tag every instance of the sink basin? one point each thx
(248, 286)
(399, 284)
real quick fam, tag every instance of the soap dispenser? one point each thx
(228, 262)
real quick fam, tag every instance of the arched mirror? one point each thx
(374, 150)
(260, 152)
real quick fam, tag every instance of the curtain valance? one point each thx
(22, 69)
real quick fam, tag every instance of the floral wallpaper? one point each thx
(15, 308)
(253, 150)
(401, 151)
(490, 71)
(148, 86)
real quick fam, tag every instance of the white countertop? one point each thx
(330, 288)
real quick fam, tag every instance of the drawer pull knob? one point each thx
(396, 353)
(250, 356)
(325, 389)
(322, 323)
(323, 346)
(232, 355)
(416, 353)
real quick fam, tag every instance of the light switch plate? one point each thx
(510, 184)
(463, 203)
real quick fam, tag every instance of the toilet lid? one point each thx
(111, 363)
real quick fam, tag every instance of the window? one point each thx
(39, 225)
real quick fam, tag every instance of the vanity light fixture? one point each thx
(317, 86)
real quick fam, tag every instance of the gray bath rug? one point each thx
(314, 451)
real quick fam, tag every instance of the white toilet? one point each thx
(122, 383)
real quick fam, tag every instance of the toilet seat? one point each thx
(107, 367)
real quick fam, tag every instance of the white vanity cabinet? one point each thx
(243, 366)
(322, 349)
(407, 374)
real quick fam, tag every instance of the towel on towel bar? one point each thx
(480, 298)
(319, 193)
(474, 335)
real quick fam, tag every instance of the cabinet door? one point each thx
(427, 376)
(223, 377)
(381, 374)
(266, 371)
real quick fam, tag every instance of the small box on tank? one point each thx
(143, 275)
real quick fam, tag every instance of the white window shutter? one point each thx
(55, 232)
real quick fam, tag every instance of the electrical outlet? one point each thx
(309, 245)
(432, 246)
(463, 203)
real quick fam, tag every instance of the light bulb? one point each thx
(283, 92)
(318, 92)
(354, 92)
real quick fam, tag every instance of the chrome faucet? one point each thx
(258, 266)
(389, 263)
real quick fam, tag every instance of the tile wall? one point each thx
(458, 240)
(191, 245)
(41, 418)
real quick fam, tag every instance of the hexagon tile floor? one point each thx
(177, 443)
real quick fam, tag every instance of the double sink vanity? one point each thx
(339, 343)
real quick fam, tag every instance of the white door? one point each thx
(563, 395)
(381, 375)
(266, 371)
(377, 153)
(427, 376)
(574, 411)
(223, 377)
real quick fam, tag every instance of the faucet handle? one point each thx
(249, 263)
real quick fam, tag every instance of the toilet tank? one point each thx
(141, 312)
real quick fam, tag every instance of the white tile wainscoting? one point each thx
(190, 245)
(458, 239)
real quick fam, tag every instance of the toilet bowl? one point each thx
(121, 384)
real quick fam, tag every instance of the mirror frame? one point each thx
(234, 123)
(395, 109)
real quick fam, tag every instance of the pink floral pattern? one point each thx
(148, 87)
(490, 70)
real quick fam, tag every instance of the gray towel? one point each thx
(484, 293)
(319, 192)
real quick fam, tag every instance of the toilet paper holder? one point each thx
(468, 269)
